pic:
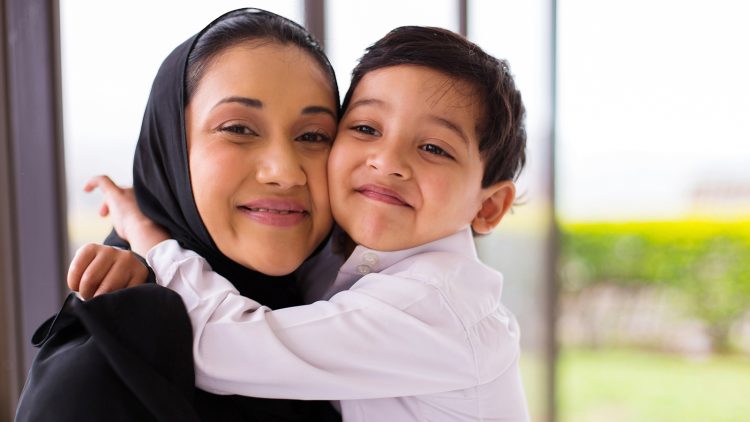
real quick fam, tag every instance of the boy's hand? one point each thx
(98, 269)
(130, 223)
(119, 204)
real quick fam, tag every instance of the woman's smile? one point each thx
(275, 212)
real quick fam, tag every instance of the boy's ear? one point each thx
(497, 200)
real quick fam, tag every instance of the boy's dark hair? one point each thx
(501, 130)
(250, 24)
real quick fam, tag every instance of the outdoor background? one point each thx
(636, 197)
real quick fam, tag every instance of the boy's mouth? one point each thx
(382, 194)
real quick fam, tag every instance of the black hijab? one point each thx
(161, 180)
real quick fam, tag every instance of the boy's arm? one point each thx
(382, 338)
(130, 223)
(98, 269)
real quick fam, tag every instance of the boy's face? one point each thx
(405, 168)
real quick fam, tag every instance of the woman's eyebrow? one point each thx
(256, 103)
(246, 101)
(318, 110)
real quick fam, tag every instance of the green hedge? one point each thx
(658, 252)
(708, 261)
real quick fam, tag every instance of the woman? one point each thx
(231, 161)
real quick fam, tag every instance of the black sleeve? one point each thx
(121, 357)
(113, 239)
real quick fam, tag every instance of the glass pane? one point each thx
(110, 53)
(519, 31)
(654, 198)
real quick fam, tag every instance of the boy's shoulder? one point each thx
(446, 266)
(472, 288)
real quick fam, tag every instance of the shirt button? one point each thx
(369, 258)
(363, 269)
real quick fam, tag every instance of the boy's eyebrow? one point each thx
(246, 101)
(442, 121)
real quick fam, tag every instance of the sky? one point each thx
(652, 96)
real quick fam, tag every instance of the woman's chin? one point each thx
(273, 265)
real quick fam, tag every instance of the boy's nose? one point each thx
(389, 160)
(279, 165)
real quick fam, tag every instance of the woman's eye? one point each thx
(315, 137)
(367, 130)
(237, 130)
(436, 150)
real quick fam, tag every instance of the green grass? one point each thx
(627, 385)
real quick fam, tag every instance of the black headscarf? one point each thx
(161, 180)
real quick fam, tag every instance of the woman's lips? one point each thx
(382, 194)
(275, 212)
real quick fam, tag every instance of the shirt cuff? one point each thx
(165, 258)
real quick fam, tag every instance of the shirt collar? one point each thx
(365, 260)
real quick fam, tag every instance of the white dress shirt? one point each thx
(418, 335)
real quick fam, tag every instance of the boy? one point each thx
(431, 140)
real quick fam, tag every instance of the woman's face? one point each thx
(259, 128)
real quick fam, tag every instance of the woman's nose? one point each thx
(279, 165)
(390, 159)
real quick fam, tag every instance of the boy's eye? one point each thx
(315, 137)
(367, 130)
(436, 150)
(237, 129)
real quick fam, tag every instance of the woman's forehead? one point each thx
(268, 62)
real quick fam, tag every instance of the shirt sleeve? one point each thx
(386, 337)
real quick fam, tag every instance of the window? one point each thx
(654, 200)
